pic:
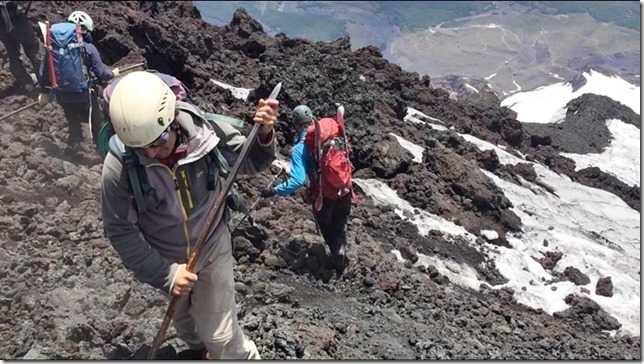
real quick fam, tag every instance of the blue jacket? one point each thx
(301, 164)
(94, 63)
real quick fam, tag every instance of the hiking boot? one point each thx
(339, 260)
(194, 354)
(24, 88)
(74, 140)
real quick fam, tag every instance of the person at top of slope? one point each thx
(79, 97)
(17, 31)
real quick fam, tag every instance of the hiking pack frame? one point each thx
(340, 120)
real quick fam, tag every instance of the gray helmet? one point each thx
(302, 115)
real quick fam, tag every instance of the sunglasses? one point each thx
(161, 140)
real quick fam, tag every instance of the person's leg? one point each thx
(185, 324)
(340, 215)
(25, 34)
(214, 310)
(74, 113)
(324, 219)
(16, 67)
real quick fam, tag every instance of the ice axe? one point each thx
(220, 202)
(19, 110)
(247, 213)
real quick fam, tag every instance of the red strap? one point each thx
(79, 36)
(50, 57)
(355, 197)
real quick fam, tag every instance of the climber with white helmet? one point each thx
(182, 153)
(83, 19)
(79, 99)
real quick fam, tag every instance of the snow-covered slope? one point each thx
(595, 231)
(547, 104)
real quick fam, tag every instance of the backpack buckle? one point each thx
(129, 159)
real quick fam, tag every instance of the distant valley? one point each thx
(466, 46)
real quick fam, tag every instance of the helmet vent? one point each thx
(160, 121)
(164, 102)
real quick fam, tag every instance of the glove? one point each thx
(43, 99)
(116, 72)
(267, 192)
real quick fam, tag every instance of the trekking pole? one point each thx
(28, 8)
(256, 201)
(132, 68)
(19, 110)
(214, 211)
(6, 19)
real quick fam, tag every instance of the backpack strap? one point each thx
(6, 18)
(211, 118)
(218, 166)
(219, 118)
(135, 171)
(217, 160)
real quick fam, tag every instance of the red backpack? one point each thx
(333, 167)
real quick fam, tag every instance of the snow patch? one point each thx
(414, 149)
(620, 159)
(490, 234)
(412, 117)
(383, 195)
(541, 104)
(238, 92)
(471, 87)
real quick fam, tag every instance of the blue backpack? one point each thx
(69, 58)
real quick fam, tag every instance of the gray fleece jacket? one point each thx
(153, 244)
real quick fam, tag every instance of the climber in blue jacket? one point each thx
(332, 218)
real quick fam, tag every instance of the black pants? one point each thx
(22, 34)
(79, 112)
(332, 220)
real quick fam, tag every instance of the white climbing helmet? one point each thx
(82, 18)
(141, 108)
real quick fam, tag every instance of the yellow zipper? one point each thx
(186, 232)
(185, 183)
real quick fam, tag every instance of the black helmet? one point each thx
(302, 115)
